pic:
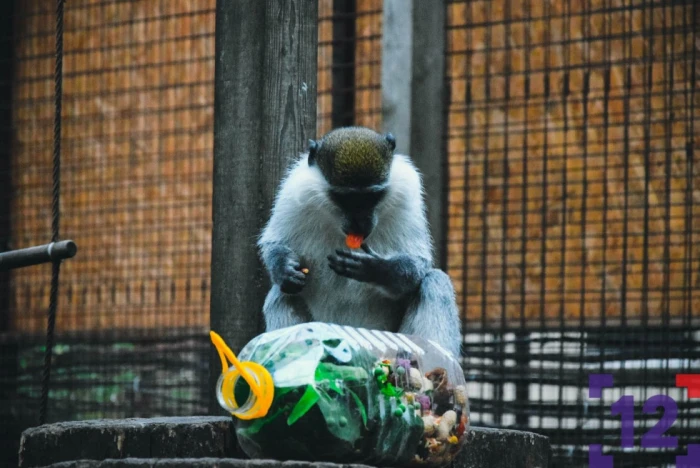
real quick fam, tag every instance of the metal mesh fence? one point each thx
(573, 204)
(349, 64)
(136, 197)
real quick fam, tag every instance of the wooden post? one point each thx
(414, 98)
(264, 114)
(397, 54)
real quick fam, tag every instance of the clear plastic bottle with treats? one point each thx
(323, 392)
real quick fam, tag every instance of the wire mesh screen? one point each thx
(574, 210)
(574, 196)
(136, 196)
(349, 64)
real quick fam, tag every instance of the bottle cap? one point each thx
(258, 378)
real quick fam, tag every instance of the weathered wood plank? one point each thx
(264, 112)
(428, 97)
(397, 53)
(414, 96)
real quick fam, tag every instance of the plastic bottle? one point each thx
(323, 392)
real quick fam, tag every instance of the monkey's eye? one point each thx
(357, 201)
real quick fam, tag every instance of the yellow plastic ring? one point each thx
(255, 375)
(262, 388)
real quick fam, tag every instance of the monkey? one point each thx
(351, 182)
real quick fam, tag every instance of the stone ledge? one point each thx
(196, 462)
(192, 437)
(209, 441)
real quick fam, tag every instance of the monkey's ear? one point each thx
(313, 147)
(391, 139)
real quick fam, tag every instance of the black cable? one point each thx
(56, 214)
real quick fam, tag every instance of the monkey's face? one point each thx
(356, 162)
(358, 209)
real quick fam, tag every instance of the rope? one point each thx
(56, 214)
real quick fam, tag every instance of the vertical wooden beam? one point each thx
(414, 96)
(428, 114)
(343, 63)
(397, 60)
(264, 113)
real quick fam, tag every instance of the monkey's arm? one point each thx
(431, 308)
(283, 263)
(283, 266)
(432, 312)
(396, 276)
(283, 306)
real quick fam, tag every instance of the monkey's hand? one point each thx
(397, 276)
(284, 268)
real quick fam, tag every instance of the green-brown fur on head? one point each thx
(353, 156)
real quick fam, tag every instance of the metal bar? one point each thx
(522, 386)
(53, 252)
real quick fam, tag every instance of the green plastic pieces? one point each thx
(339, 398)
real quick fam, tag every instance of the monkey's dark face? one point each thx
(358, 208)
(356, 162)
